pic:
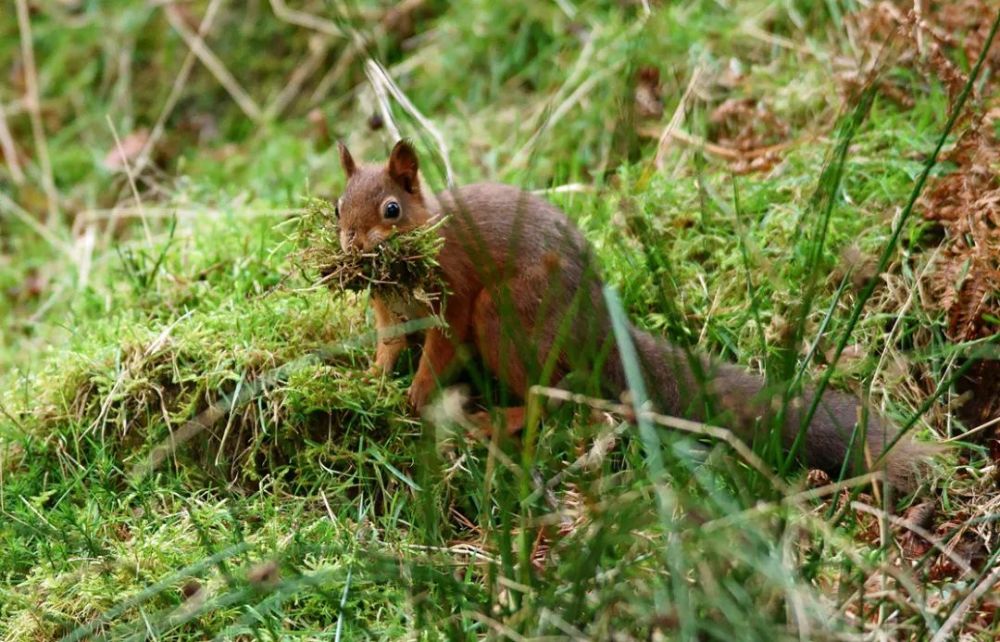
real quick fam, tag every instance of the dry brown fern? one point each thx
(933, 38)
(966, 279)
(967, 203)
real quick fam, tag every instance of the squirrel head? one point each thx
(379, 201)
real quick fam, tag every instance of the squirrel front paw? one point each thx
(419, 393)
(377, 371)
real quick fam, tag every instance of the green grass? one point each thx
(300, 499)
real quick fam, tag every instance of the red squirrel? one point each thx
(523, 294)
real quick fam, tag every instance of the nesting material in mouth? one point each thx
(404, 265)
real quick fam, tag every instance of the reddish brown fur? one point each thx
(523, 289)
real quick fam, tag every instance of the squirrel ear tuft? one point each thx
(403, 166)
(346, 161)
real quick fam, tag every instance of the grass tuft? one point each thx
(402, 266)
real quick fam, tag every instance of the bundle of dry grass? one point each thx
(403, 266)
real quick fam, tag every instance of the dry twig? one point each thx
(33, 105)
(208, 58)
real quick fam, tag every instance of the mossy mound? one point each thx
(239, 397)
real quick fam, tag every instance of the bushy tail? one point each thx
(729, 396)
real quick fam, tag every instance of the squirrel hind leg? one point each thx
(510, 420)
(499, 354)
(497, 351)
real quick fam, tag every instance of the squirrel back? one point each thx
(525, 292)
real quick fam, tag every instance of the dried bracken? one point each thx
(967, 203)
(966, 24)
(938, 40)
(966, 281)
(749, 127)
(931, 38)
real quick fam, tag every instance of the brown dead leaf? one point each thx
(746, 124)
(573, 516)
(913, 546)
(944, 568)
(780, 330)
(31, 287)
(748, 127)
(817, 478)
(319, 127)
(119, 157)
(648, 94)
(123, 533)
(540, 550)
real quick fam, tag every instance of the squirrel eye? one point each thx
(392, 209)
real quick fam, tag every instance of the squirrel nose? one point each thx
(349, 241)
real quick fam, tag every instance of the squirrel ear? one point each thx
(403, 166)
(346, 161)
